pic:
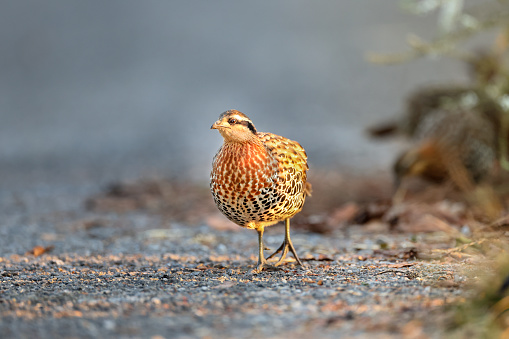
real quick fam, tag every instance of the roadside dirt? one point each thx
(154, 259)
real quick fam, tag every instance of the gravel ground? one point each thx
(185, 296)
(99, 92)
(137, 274)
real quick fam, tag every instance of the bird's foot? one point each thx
(263, 266)
(278, 251)
(285, 246)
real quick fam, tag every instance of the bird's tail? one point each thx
(308, 189)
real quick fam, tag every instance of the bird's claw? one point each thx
(285, 246)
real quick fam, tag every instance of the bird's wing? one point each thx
(289, 154)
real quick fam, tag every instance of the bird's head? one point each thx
(235, 126)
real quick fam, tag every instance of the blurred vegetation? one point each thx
(454, 148)
(485, 314)
(458, 22)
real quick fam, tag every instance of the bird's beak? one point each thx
(217, 125)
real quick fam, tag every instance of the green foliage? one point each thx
(486, 314)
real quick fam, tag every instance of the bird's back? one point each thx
(459, 145)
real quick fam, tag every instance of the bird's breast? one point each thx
(243, 165)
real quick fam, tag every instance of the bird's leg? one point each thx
(285, 246)
(261, 258)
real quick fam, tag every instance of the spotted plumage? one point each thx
(460, 146)
(258, 179)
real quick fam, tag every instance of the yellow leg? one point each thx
(285, 246)
(261, 258)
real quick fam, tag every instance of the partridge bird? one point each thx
(425, 104)
(258, 179)
(459, 146)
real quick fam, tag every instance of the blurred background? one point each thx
(106, 90)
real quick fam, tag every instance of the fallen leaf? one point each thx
(425, 218)
(428, 223)
(343, 215)
(39, 250)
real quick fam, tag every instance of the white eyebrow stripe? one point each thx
(238, 117)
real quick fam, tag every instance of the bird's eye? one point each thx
(232, 121)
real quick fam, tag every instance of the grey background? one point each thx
(105, 90)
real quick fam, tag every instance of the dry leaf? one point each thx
(428, 223)
(344, 214)
(39, 250)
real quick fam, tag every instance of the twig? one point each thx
(460, 248)
(439, 46)
(392, 271)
